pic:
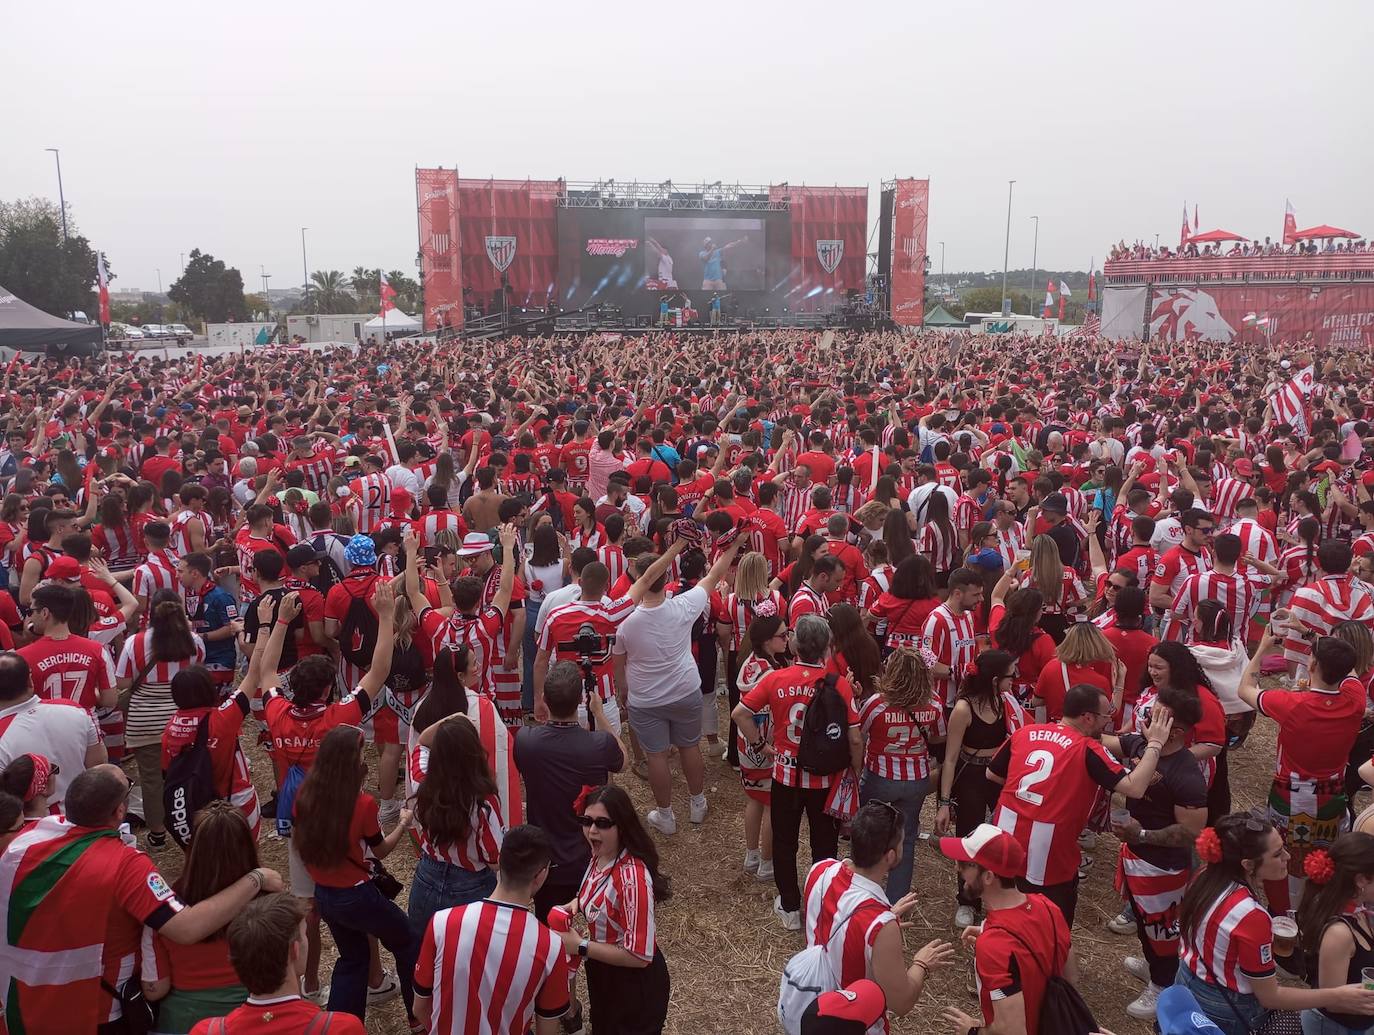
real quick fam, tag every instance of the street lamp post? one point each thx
(942, 259)
(1035, 256)
(61, 198)
(159, 281)
(1006, 249)
(305, 266)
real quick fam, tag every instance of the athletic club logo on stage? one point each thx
(829, 253)
(501, 252)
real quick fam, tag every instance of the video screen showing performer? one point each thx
(719, 254)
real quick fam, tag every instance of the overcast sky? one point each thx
(229, 126)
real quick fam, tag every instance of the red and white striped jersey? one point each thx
(1177, 564)
(1256, 540)
(1232, 943)
(738, 614)
(794, 503)
(181, 531)
(159, 571)
(564, 623)
(429, 524)
(1071, 592)
(481, 632)
(1238, 593)
(806, 601)
(119, 546)
(967, 512)
(941, 548)
(1226, 493)
(1051, 775)
(490, 966)
(896, 741)
(137, 653)
(879, 581)
(845, 911)
(951, 639)
(1009, 541)
(613, 557)
(593, 539)
(375, 492)
(481, 848)
(617, 901)
(1299, 566)
(1323, 605)
(316, 470)
(1364, 544)
(499, 747)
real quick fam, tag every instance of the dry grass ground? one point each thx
(725, 949)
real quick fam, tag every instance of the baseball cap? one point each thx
(64, 568)
(302, 554)
(473, 544)
(1178, 1013)
(1055, 503)
(989, 847)
(1243, 467)
(352, 461)
(556, 474)
(846, 1011)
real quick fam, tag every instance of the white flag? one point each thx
(1064, 289)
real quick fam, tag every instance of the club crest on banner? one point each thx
(829, 253)
(501, 252)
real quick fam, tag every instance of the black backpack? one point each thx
(330, 575)
(824, 745)
(358, 637)
(1062, 1010)
(188, 785)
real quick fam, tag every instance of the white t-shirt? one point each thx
(657, 644)
(550, 575)
(919, 497)
(59, 731)
(1168, 533)
(402, 477)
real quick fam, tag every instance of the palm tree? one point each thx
(407, 291)
(327, 292)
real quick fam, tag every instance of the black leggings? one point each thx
(786, 805)
(732, 686)
(628, 1000)
(975, 797)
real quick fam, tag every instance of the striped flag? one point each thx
(102, 276)
(1289, 401)
(1183, 234)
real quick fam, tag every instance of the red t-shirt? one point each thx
(1033, 659)
(1006, 965)
(1132, 646)
(289, 1015)
(1317, 728)
(75, 669)
(225, 722)
(1056, 678)
(297, 732)
(363, 829)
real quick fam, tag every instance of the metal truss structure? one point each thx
(668, 196)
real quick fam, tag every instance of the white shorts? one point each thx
(302, 884)
(612, 710)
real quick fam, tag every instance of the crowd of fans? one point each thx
(1049, 583)
(1239, 249)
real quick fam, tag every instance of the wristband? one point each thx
(255, 875)
(945, 802)
(582, 946)
(1157, 747)
(925, 970)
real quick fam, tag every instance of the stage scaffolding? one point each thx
(668, 196)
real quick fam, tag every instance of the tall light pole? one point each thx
(61, 199)
(1006, 250)
(942, 258)
(1035, 255)
(305, 266)
(159, 280)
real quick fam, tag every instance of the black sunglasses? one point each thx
(600, 822)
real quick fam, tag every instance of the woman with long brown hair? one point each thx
(1058, 585)
(901, 723)
(767, 643)
(732, 627)
(144, 675)
(854, 652)
(193, 982)
(335, 820)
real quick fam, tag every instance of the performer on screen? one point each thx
(665, 264)
(713, 275)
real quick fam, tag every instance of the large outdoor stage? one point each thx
(1325, 300)
(608, 255)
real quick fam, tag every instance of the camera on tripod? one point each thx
(591, 649)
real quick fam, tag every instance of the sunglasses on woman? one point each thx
(600, 822)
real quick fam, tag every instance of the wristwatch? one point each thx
(582, 946)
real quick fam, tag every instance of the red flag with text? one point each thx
(1290, 223)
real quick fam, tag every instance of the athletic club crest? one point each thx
(829, 253)
(501, 252)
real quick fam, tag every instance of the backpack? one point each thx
(286, 798)
(330, 575)
(189, 785)
(1062, 1010)
(823, 747)
(358, 636)
(805, 978)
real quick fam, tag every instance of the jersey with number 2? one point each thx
(1052, 776)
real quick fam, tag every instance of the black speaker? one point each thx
(886, 210)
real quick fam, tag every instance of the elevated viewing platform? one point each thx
(1241, 269)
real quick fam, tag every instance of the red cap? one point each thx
(850, 1009)
(1243, 468)
(1328, 465)
(990, 847)
(64, 568)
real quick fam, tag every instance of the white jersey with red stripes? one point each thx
(1226, 493)
(430, 524)
(1256, 540)
(1239, 593)
(159, 571)
(1232, 944)
(951, 639)
(617, 902)
(896, 740)
(316, 470)
(738, 614)
(181, 531)
(845, 911)
(375, 492)
(1010, 540)
(1322, 606)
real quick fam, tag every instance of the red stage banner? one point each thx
(910, 212)
(509, 227)
(436, 197)
(1339, 314)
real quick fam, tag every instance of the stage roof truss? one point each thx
(669, 196)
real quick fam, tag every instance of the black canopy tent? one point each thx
(28, 329)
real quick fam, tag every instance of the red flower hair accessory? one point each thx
(1319, 867)
(1208, 846)
(580, 802)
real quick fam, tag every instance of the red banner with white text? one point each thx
(910, 212)
(1322, 315)
(436, 195)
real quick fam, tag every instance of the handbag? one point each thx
(140, 1016)
(383, 880)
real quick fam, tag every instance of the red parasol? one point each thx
(1325, 230)
(1212, 236)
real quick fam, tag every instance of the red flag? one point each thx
(388, 293)
(9, 369)
(1195, 217)
(1183, 234)
(1290, 223)
(1062, 303)
(1092, 286)
(1048, 309)
(103, 278)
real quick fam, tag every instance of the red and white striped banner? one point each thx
(1289, 402)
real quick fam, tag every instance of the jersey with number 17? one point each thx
(1051, 773)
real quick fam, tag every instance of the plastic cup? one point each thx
(1120, 817)
(1286, 936)
(1367, 978)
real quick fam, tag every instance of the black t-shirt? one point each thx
(1178, 782)
(556, 762)
(1066, 539)
(250, 625)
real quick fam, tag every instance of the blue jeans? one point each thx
(1314, 1022)
(437, 886)
(1214, 1003)
(527, 656)
(907, 796)
(352, 914)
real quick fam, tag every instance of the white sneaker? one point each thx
(696, 809)
(790, 920)
(751, 861)
(390, 988)
(663, 821)
(765, 871)
(964, 916)
(1122, 923)
(1085, 863)
(1137, 968)
(388, 812)
(1144, 1005)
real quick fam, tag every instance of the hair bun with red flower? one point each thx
(1319, 867)
(1208, 846)
(580, 802)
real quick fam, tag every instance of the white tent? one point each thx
(395, 321)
